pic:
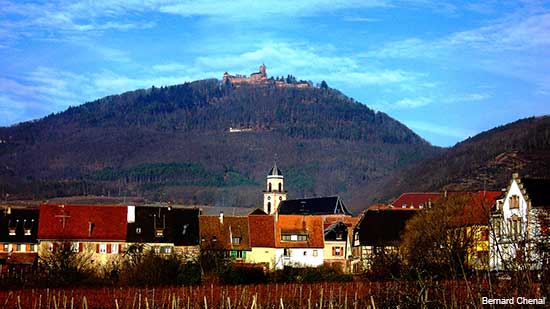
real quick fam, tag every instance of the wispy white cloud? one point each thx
(443, 130)
(355, 19)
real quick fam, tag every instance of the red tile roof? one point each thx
(82, 222)
(218, 235)
(477, 210)
(297, 224)
(390, 207)
(414, 199)
(262, 231)
(350, 222)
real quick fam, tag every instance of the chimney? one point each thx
(131, 214)
(221, 217)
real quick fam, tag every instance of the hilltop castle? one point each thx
(260, 77)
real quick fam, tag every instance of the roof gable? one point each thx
(18, 221)
(312, 226)
(332, 205)
(82, 222)
(262, 231)
(416, 199)
(382, 227)
(336, 231)
(217, 233)
(179, 226)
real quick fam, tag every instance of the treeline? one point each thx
(174, 173)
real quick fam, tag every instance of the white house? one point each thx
(299, 241)
(520, 225)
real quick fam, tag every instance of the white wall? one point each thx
(297, 257)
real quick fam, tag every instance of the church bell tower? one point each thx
(274, 192)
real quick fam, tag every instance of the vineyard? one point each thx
(357, 294)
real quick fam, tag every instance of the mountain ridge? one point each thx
(173, 141)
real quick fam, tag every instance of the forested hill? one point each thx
(173, 143)
(485, 161)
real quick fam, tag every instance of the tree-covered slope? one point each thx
(485, 161)
(174, 143)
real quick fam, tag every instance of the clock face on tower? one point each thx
(268, 198)
(280, 198)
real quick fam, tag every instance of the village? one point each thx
(505, 225)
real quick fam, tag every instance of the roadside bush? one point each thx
(243, 275)
(325, 272)
(148, 268)
(63, 267)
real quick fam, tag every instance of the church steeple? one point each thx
(274, 192)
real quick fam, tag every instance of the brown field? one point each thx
(357, 294)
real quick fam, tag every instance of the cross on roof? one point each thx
(63, 216)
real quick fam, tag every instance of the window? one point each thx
(114, 248)
(293, 237)
(286, 252)
(103, 248)
(268, 207)
(237, 254)
(484, 235)
(214, 238)
(515, 227)
(18, 248)
(337, 251)
(339, 236)
(138, 230)
(280, 187)
(6, 248)
(33, 248)
(269, 189)
(514, 202)
(157, 250)
(236, 241)
(305, 253)
(497, 226)
(159, 232)
(315, 253)
(27, 232)
(404, 206)
(74, 247)
(166, 250)
(12, 231)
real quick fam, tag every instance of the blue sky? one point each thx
(448, 70)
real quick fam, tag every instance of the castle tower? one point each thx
(262, 70)
(274, 192)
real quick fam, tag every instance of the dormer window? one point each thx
(294, 237)
(159, 232)
(11, 231)
(339, 236)
(27, 232)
